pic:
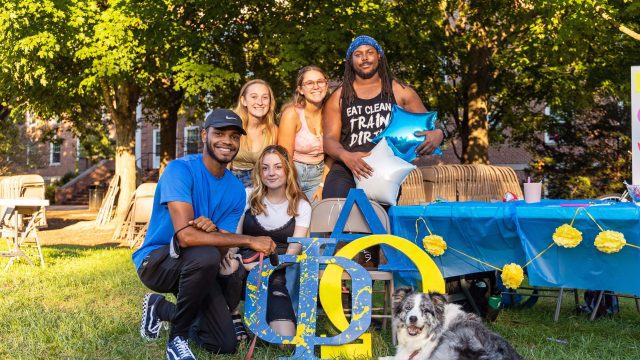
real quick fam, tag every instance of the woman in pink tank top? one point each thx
(300, 130)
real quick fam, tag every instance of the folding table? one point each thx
(13, 226)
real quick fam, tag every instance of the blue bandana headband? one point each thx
(364, 40)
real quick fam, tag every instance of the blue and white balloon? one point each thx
(403, 126)
(389, 171)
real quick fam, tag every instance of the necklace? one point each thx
(314, 121)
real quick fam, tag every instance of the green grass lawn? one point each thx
(86, 305)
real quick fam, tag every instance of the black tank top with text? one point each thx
(363, 120)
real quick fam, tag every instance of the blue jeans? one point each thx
(244, 176)
(309, 177)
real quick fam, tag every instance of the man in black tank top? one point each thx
(359, 110)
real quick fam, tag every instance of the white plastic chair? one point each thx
(324, 216)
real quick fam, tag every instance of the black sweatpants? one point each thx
(338, 182)
(201, 311)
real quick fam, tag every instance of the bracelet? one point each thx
(321, 185)
(182, 228)
(174, 244)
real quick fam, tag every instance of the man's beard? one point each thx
(212, 153)
(368, 75)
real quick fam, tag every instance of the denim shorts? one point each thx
(244, 176)
(309, 177)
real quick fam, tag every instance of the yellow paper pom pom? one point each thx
(610, 241)
(512, 275)
(567, 236)
(434, 244)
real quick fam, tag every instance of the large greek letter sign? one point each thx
(305, 339)
(330, 286)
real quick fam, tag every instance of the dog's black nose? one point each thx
(413, 319)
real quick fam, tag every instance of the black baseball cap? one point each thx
(219, 118)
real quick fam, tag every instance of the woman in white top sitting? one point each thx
(300, 130)
(277, 208)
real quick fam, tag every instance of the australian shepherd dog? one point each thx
(428, 327)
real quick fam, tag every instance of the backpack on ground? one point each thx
(609, 305)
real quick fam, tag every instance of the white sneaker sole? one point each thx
(143, 322)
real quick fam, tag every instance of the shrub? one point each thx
(50, 192)
(66, 178)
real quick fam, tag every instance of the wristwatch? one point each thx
(174, 248)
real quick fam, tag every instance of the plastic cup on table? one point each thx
(532, 192)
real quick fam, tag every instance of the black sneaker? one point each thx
(238, 327)
(150, 325)
(178, 349)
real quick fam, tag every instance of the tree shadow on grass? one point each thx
(54, 253)
(68, 250)
(61, 223)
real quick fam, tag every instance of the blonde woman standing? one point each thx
(300, 131)
(256, 107)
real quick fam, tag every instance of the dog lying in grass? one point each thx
(428, 327)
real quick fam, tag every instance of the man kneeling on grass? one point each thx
(197, 203)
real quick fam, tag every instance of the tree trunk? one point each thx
(4, 112)
(170, 102)
(624, 29)
(477, 144)
(168, 125)
(121, 100)
(125, 164)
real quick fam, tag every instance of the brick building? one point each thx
(54, 158)
(62, 156)
(148, 143)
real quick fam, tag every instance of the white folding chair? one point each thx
(140, 213)
(324, 216)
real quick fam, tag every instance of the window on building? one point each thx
(549, 138)
(54, 152)
(156, 148)
(81, 152)
(32, 152)
(191, 135)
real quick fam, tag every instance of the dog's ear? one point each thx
(401, 293)
(398, 298)
(438, 301)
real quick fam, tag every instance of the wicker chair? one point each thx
(468, 182)
(412, 189)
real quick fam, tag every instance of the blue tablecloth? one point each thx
(500, 233)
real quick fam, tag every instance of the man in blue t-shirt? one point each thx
(197, 206)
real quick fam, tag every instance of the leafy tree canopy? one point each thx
(489, 67)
